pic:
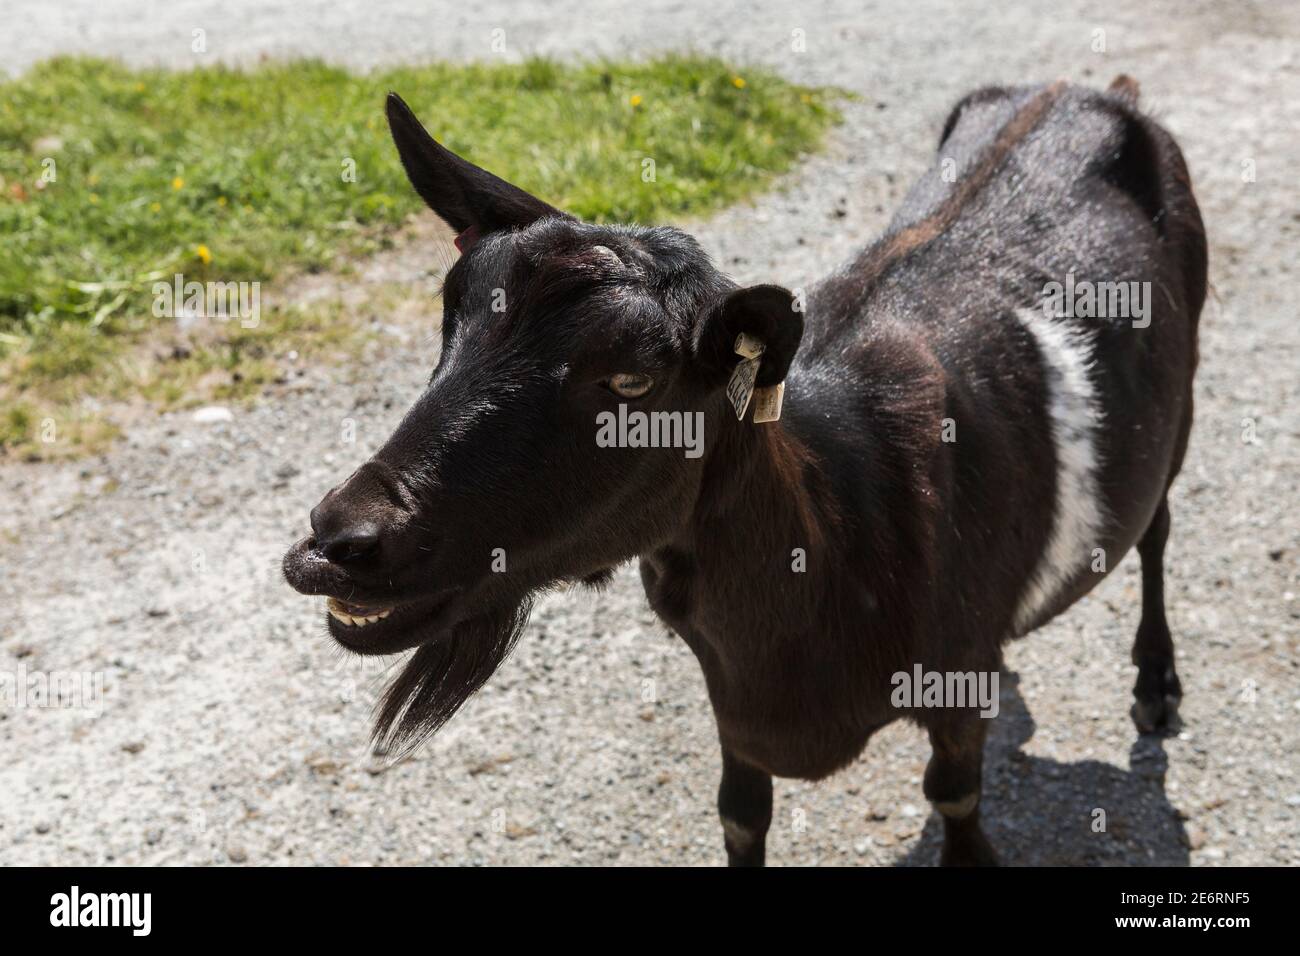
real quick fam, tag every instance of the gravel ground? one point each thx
(232, 731)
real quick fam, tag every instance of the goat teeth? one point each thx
(335, 608)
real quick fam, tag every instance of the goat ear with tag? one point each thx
(748, 340)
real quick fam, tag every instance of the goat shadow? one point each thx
(1041, 812)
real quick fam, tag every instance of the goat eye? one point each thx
(629, 385)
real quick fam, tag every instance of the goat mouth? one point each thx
(355, 615)
(390, 629)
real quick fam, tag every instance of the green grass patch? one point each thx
(114, 178)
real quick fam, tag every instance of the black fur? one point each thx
(916, 550)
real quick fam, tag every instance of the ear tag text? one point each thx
(740, 389)
(767, 403)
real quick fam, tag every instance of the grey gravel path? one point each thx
(232, 731)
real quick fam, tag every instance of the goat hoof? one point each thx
(1155, 707)
(1153, 716)
(974, 850)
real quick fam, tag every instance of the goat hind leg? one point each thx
(1158, 690)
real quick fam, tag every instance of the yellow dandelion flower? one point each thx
(155, 207)
(204, 253)
(636, 99)
(94, 199)
(139, 87)
(738, 82)
(221, 200)
(178, 183)
(805, 97)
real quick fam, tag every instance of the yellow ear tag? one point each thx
(741, 387)
(767, 401)
(748, 347)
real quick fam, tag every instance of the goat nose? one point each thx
(343, 541)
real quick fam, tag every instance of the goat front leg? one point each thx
(952, 785)
(745, 807)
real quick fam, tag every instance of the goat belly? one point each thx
(806, 752)
(810, 746)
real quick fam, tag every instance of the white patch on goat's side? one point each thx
(1077, 512)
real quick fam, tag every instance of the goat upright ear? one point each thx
(768, 313)
(469, 199)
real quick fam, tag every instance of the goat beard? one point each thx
(442, 674)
